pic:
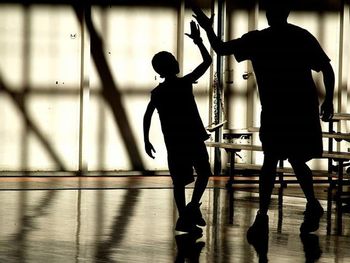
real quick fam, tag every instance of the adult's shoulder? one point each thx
(300, 30)
(311, 47)
(253, 34)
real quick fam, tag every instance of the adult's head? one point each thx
(165, 64)
(277, 11)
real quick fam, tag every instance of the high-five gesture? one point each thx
(195, 33)
(204, 21)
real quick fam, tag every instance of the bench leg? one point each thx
(280, 175)
(280, 210)
(338, 197)
(232, 155)
(231, 205)
(329, 209)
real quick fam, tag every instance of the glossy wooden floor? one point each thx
(131, 219)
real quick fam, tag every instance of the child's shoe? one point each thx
(312, 216)
(194, 213)
(184, 224)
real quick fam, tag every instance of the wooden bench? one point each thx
(335, 181)
(233, 148)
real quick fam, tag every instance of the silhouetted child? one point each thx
(183, 131)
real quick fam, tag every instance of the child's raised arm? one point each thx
(201, 68)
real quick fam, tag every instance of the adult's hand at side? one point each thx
(327, 110)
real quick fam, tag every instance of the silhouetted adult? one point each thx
(183, 131)
(283, 57)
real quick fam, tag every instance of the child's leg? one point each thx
(202, 167)
(184, 222)
(193, 208)
(200, 160)
(180, 199)
(199, 188)
(176, 166)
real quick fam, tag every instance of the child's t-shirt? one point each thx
(179, 116)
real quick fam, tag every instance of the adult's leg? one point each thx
(304, 176)
(266, 182)
(314, 210)
(257, 234)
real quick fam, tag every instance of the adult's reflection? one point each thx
(261, 244)
(311, 246)
(188, 248)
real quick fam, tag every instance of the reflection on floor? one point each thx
(131, 219)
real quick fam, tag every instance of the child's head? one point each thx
(165, 64)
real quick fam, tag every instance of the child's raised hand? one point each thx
(195, 33)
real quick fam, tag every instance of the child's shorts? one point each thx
(183, 157)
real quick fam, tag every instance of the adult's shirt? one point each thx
(283, 58)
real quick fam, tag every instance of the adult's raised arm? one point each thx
(220, 47)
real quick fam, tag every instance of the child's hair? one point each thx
(165, 64)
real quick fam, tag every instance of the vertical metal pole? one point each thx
(330, 149)
(347, 6)
(252, 93)
(330, 181)
(341, 92)
(180, 35)
(251, 89)
(212, 79)
(219, 70)
(341, 107)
